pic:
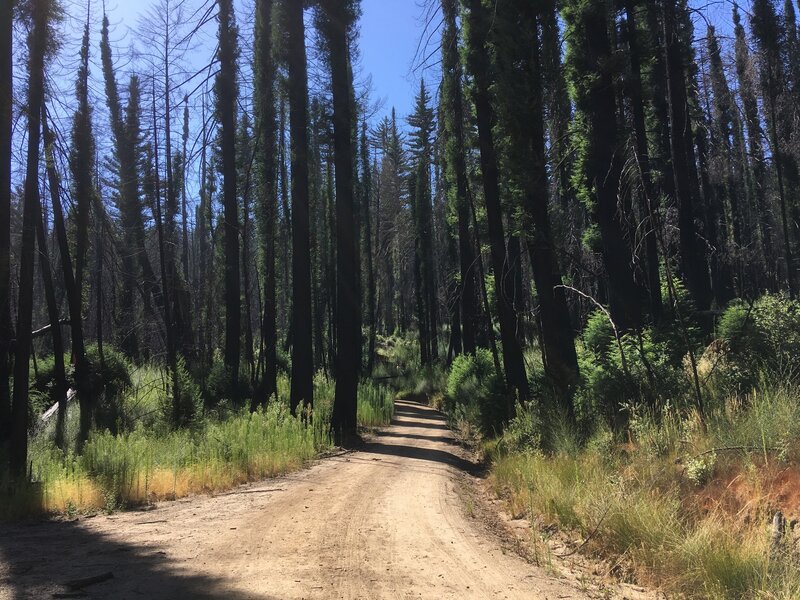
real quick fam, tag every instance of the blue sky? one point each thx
(390, 31)
(389, 34)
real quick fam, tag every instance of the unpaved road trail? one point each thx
(388, 521)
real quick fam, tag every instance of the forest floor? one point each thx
(403, 517)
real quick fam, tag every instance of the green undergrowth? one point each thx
(146, 459)
(682, 506)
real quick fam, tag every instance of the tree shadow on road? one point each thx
(422, 417)
(430, 438)
(38, 559)
(427, 454)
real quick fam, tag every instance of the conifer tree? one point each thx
(755, 166)
(770, 39)
(455, 173)
(520, 99)
(302, 390)
(371, 308)
(267, 202)
(728, 146)
(6, 98)
(693, 261)
(338, 20)
(226, 93)
(126, 136)
(423, 124)
(39, 40)
(478, 22)
(82, 166)
(591, 71)
(649, 196)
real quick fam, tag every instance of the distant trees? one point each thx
(421, 145)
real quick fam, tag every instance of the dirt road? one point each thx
(389, 521)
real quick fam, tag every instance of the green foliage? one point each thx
(679, 324)
(524, 431)
(699, 470)
(650, 373)
(214, 386)
(246, 447)
(149, 459)
(475, 392)
(658, 433)
(767, 421)
(109, 378)
(598, 335)
(641, 500)
(182, 409)
(375, 404)
(758, 340)
(114, 369)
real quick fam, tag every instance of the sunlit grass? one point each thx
(640, 506)
(375, 405)
(151, 462)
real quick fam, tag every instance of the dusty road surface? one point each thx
(389, 521)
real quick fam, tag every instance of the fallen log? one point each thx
(46, 329)
(54, 409)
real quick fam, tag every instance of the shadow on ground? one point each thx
(417, 416)
(38, 559)
(410, 436)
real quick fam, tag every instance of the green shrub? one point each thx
(109, 381)
(474, 391)
(214, 386)
(182, 409)
(647, 376)
(524, 431)
(758, 340)
(598, 335)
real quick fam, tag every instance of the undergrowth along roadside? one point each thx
(151, 462)
(682, 509)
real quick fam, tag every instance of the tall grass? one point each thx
(140, 466)
(152, 462)
(646, 503)
(375, 405)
